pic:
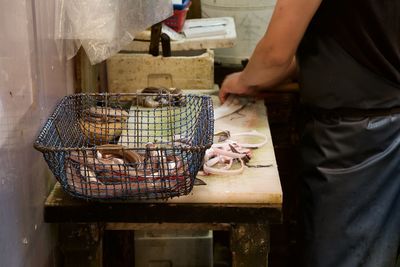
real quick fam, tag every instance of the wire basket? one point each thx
(126, 146)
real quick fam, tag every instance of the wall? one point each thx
(32, 79)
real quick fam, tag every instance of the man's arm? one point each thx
(273, 59)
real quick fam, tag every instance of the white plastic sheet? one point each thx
(103, 27)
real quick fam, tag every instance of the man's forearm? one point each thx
(273, 60)
(263, 72)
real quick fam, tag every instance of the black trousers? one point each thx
(351, 191)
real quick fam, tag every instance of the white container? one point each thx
(183, 248)
(251, 19)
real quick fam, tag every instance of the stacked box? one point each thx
(129, 72)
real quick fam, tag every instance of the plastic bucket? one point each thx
(251, 20)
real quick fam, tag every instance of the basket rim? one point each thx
(43, 148)
(133, 94)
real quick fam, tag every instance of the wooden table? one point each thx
(244, 205)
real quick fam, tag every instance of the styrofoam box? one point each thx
(179, 42)
(173, 248)
(128, 72)
(251, 20)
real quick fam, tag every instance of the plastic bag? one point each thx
(103, 27)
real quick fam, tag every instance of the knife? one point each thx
(166, 45)
(155, 39)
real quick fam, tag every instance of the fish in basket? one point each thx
(146, 145)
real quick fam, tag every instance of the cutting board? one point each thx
(254, 185)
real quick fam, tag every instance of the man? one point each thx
(348, 53)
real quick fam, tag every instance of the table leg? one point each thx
(250, 245)
(80, 245)
(119, 248)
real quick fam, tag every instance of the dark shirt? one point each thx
(348, 46)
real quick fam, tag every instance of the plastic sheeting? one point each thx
(103, 27)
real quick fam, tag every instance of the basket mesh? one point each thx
(109, 146)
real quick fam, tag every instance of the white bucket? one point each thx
(251, 20)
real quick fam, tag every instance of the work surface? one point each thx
(256, 192)
(254, 185)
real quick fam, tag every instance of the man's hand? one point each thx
(273, 59)
(233, 85)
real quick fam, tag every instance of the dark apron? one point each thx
(351, 174)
